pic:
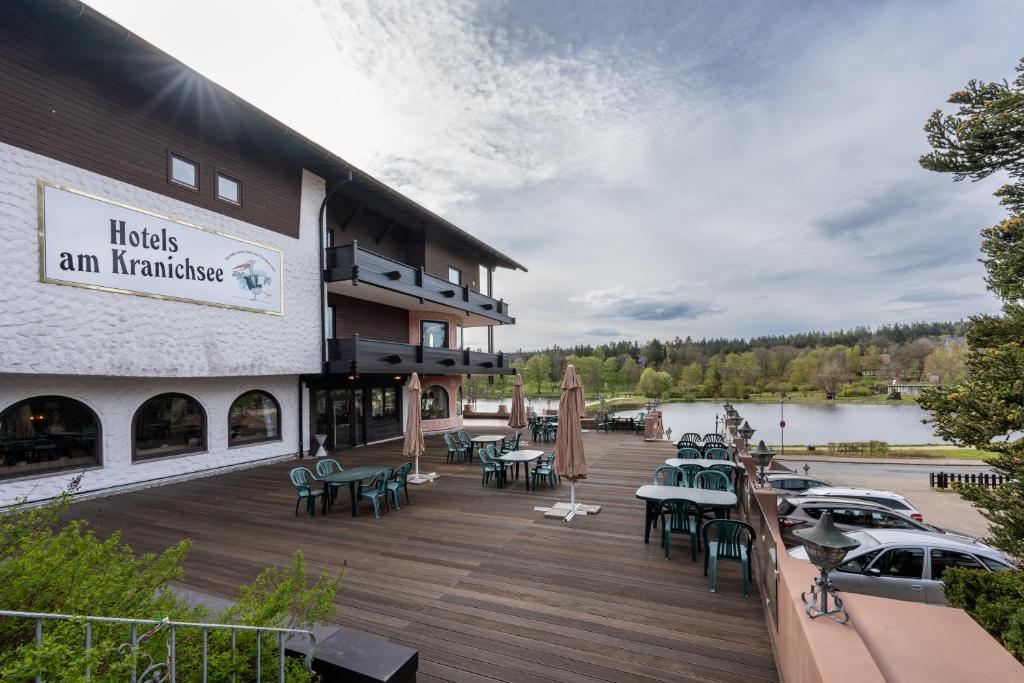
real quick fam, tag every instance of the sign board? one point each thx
(88, 241)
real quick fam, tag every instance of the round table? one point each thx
(351, 476)
(653, 495)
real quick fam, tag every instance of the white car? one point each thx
(893, 501)
(905, 564)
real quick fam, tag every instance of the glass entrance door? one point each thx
(358, 418)
(341, 403)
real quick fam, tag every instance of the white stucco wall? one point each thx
(56, 329)
(115, 400)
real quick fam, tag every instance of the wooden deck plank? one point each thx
(483, 586)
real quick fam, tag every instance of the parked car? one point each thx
(788, 483)
(907, 565)
(893, 501)
(849, 514)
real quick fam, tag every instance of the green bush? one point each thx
(993, 599)
(856, 391)
(47, 565)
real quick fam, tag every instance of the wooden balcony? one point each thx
(354, 355)
(350, 263)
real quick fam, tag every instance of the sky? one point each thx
(662, 168)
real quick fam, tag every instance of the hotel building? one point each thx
(188, 285)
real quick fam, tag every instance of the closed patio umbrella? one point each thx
(413, 446)
(569, 459)
(517, 419)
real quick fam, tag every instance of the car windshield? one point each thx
(786, 507)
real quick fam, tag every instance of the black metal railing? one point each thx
(354, 355)
(944, 480)
(349, 262)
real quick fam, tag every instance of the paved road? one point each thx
(944, 509)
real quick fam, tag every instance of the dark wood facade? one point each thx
(368, 319)
(53, 103)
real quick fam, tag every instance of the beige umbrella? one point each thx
(413, 446)
(517, 419)
(569, 460)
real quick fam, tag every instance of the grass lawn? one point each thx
(937, 451)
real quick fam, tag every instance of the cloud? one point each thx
(701, 169)
(604, 332)
(649, 305)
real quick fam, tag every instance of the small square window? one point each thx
(184, 172)
(229, 189)
(454, 275)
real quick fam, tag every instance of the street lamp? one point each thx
(746, 431)
(826, 549)
(762, 456)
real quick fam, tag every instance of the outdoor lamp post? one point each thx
(826, 549)
(727, 407)
(762, 456)
(746, 431)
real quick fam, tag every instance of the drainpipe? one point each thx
(302, 427)
(322, 217)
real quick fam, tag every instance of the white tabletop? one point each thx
(702, 497)
(487, 438)
(703, 462)
(520, 456)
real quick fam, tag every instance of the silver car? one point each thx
(908, 565)
(789, 483)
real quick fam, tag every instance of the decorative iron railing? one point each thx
(160, 671)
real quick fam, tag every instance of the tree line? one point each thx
(856, 362)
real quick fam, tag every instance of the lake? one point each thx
(808, 423)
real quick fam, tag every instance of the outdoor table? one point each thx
(703, 462)
(703, 498)
(485, 440)
(351, 476)
(525, 457)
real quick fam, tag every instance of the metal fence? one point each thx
(166, 670)
(943, 480)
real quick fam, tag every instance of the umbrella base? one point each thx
(565, 510)
(422, 478)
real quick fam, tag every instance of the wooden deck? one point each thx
(482, 585)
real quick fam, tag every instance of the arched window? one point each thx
(46, 434)
(434, 403)
(255, 417)
(168, 424)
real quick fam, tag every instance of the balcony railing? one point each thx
(352, 356)
(350, 263)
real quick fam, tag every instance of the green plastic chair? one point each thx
(545, 469)
(692, 437)
(467, 443)
(734, 541)
(717, 453)
(325, 468)
(679, 516)
(456, 451)
(713, 481)
(303, 480)
(685, 443)
(727, 470)
(690, 471)
(712, 439)
(687, 453)
(488, 467)
(377, 489)
(493, 454)
(666, 475)
(400, 482)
